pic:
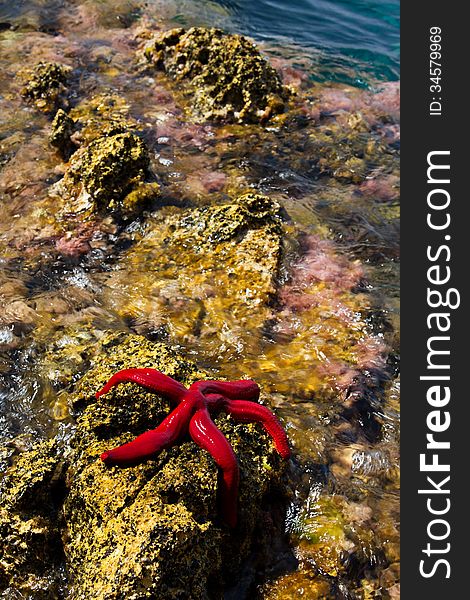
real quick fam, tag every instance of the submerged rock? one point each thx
(45, 85)
(103, 114)
(205, 275)
(226, 76)
(147, 531)
(300, 583)
(140, 198)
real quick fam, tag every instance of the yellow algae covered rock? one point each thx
(103, 174)
(146, 531)
(45, 85)
(300, 583)
(109, 163)
(151, 531)
(102, 114)
(205, 275)
(226, 76)
(139, 198)
(30, 550)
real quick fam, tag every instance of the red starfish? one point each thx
(193, 413)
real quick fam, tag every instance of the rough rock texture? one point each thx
(102, 114)
(105, 172)
(108, 169)
(62, 129)
(227, 77)
(30, 548)
(148, 531)
(45, 85)
(110, 165)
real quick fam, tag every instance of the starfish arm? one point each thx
(245, 389)
(177, 422)
(206, 435)
(143, 447)
(151, 442)
(150, 379)
(246, 412)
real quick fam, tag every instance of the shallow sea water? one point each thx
(332, 329)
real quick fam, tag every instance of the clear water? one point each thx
(351, 41)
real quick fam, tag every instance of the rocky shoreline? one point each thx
(187, 206)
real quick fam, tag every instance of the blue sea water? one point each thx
(344, 36)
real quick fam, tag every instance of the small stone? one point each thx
(62, 129)
(45, 85)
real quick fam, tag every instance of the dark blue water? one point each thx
(353, 41)
(350, 39)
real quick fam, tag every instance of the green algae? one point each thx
(45, 85)
(226, 76)
(140, 198)
(334, 537)
(300, 583)
(331, 150)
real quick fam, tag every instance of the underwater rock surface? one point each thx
(147, 531)
(206, 273)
